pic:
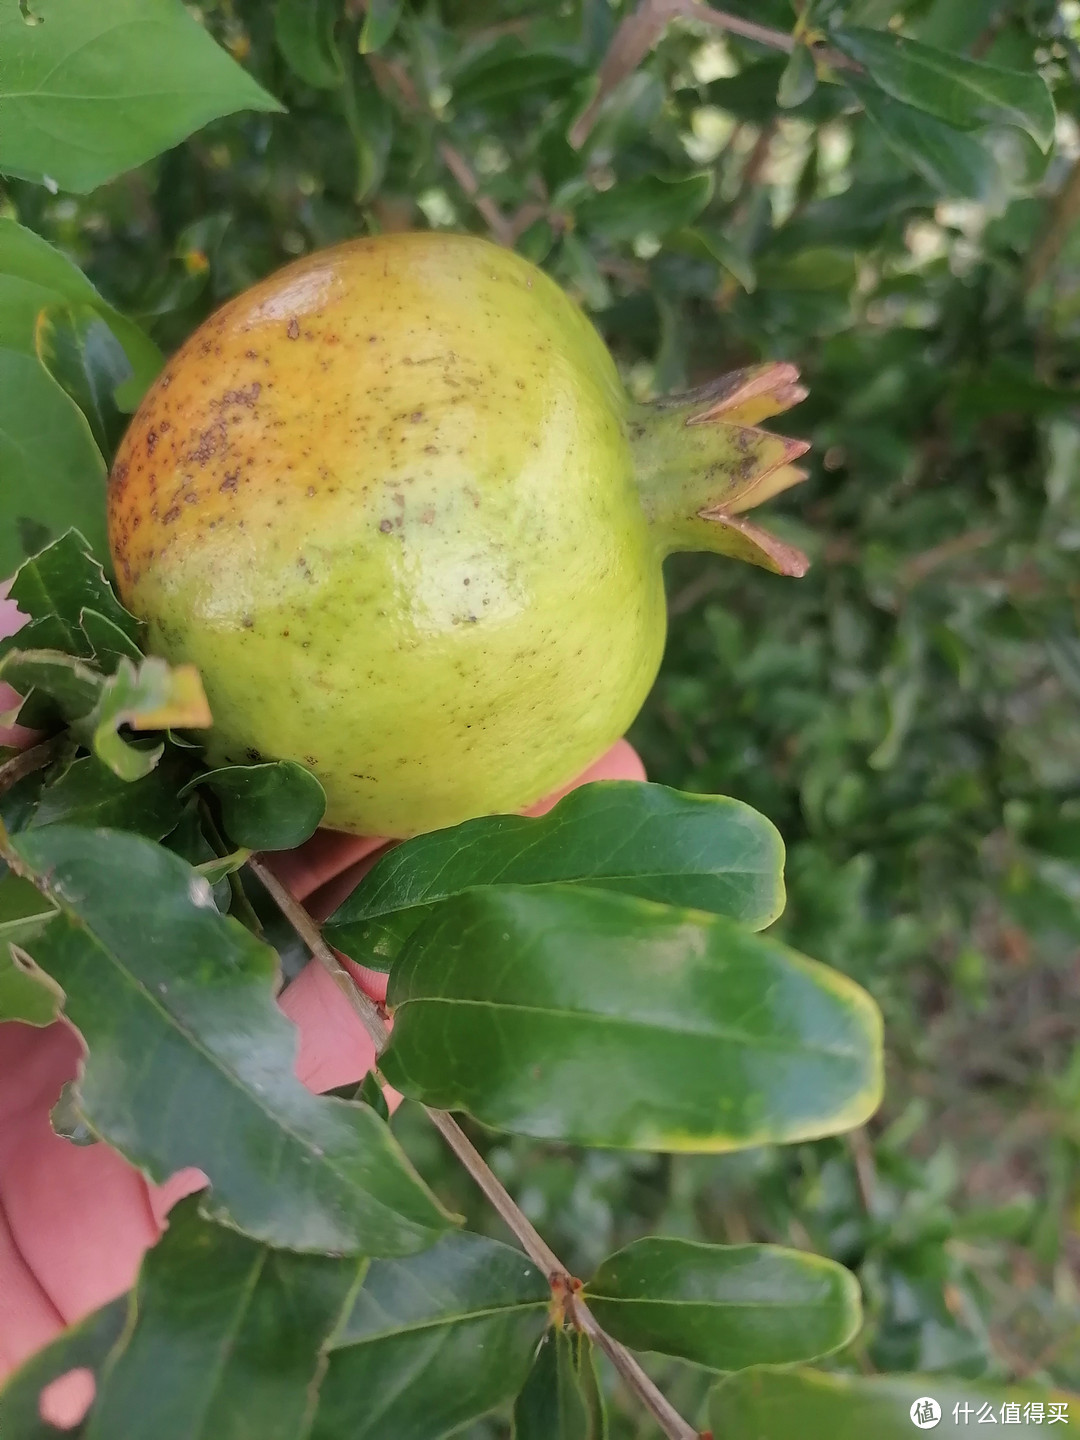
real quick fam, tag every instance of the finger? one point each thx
(79, 1216)
(319, 859)
(11, 620)
(621, 762)
(28, 1318)
(335, 1048)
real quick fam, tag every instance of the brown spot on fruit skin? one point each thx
(246, 396)
(293, 330)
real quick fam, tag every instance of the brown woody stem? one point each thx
(531, 1241)
(26, 762)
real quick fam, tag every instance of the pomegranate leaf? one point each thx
(602, 1019)
(85, 1345)
(561, 1399)
(176, 1005)
(251, 1323)
(725, 1306)
(272, 806)
(33, 275)
(433, 1342)
(94, 90)
(964, 93)
(819, 1406)
(707, 852)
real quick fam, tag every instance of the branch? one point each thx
(641, 31)
(532, 1242)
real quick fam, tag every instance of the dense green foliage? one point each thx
(905, 232)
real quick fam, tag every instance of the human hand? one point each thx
(75, 1221)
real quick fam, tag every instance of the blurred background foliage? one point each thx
(906, 714)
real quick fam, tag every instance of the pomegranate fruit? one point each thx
(397, 507)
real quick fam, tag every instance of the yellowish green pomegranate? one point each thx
(396, 506)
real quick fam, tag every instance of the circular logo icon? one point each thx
(925, 1413)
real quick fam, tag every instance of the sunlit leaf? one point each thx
(93, 90)
(602, 1019)
(964, 93)
(34, 276)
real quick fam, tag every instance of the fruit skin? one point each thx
(395, 505)
(385, 502)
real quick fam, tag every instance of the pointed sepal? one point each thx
(702, 460)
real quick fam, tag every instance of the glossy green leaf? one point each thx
(218, 869)
(433, 1342)
(702, 851)
(776, 1404)
(647, 206)
(505, 68)
(380, 22)
(725, 1306)
(799, 79)
(109, 643)
(818, 267)
(93, 90)
(176, 1004)
(708, 242)
(227, 1338)
(273, 806)
(954, 163)
(33, 276)
(63, 581)
(964, 93)
(83, 1346)
(601, 1019)
(85, 358)
(304, 33)
(72, 685)
(90, 794)
(371, 120)
(43, 432)
(561, 1399)
(25, 994)
(151, 696)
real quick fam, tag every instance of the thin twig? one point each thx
(641, 31)
(862, 1157)
(912, 571)
(462, 172)
(27, 761)
(532, 1242)
(633, 1376)
(363, 1006)
(763, 34)
(1063, 216)
(755, 163)
(385, 70)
